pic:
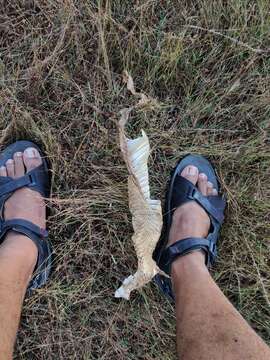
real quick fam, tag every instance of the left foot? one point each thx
(24, 203)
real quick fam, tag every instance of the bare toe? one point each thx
(3, 171)
(10, 168)
(18, 164)
(209, 188)
(190, 173)
(31, 158)
(202, 183)
(214, 192)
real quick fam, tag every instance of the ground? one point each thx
(207, 65)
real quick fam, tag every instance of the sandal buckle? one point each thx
(191, 194)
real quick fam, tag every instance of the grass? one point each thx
(207, 64)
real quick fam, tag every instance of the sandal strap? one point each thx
(34, 179)
(24, 227)
(38, 236)
(204, 201)
(185, 191)
(15, 184)
(185, 246)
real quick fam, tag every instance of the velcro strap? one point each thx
(40, 180)
(4, 180)
(24, 227)
(180, 192)
(15, 184)
(206, 204)
(183, 247)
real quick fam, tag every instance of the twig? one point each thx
(238, 42)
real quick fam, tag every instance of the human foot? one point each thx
(190, 219)
(24, 203)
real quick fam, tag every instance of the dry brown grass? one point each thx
(61, 85)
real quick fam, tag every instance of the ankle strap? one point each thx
(184, 247)
(38, 236)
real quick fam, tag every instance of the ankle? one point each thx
(21, 248)
(189, 263)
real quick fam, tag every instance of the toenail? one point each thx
(209, 184)
(2, 168)
(215, 192)
(30, 153)
(203, 176)
(192, 170)
(18, 154)
(10, 161)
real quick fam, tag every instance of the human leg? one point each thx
(18, 253)
(208, 326)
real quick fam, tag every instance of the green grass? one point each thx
(207, 63)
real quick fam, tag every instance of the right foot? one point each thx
(190, 219)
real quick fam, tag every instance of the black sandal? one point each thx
(37, 179)
(179, 192)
